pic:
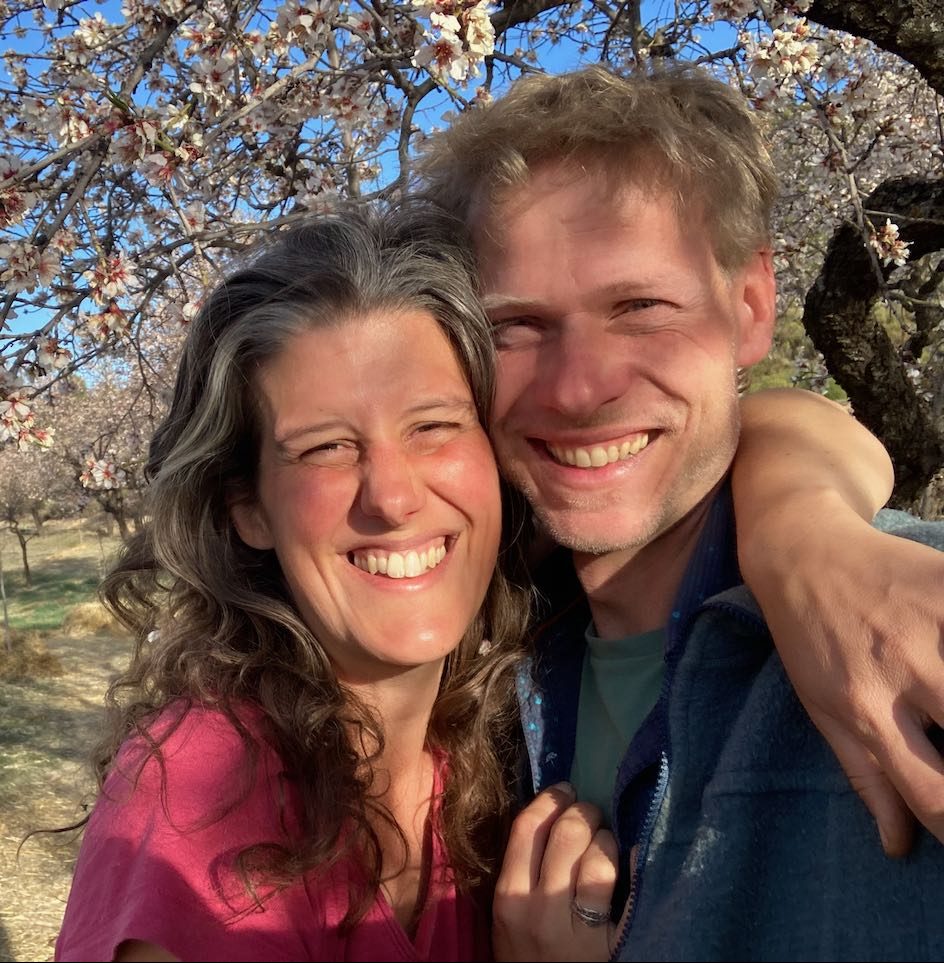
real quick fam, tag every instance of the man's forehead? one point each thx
(597, 186)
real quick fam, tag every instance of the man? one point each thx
(622, 233)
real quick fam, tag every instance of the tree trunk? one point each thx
(857, 349)
(7, 634)
(22, 539)
(119, 516)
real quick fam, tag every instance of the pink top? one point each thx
(151, 869)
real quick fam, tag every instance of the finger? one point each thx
(548, 914)
(567, 843)
(596, 873)
(594, 933)
(914, 765)
(892, 816)
(527, 842)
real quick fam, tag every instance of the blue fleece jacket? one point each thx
(752, 844)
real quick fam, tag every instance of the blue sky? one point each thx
(561, 57)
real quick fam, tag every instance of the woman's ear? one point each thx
(250, 523)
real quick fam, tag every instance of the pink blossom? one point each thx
(158, 169)
(17, 424)
(14, 203)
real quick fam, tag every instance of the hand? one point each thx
(556, 854)
(858, 618)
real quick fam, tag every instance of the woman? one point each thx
(316, 580)
(311, 749)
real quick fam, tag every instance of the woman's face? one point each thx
(377, 490)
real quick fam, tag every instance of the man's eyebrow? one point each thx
(622, 288)
(491, 302)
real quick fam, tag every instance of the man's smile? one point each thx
(599, 455)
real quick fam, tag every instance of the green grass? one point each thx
(54, 591)
(66, 561)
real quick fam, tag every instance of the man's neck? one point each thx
(633, 590)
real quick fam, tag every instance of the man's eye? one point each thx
(515, 332)
(637, 304)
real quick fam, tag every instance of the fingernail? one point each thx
(566, 788)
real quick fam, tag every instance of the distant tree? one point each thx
(23, 496)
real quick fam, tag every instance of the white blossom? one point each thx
(733, 9)
(102, 474)
(26, 267)
(50, 354)
(109, 278)
(889, 246)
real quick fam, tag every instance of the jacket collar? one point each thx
(549, 683)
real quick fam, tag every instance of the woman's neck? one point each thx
(402, 782)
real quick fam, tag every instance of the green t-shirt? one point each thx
(618, 688)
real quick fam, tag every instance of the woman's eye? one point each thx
(330, 453)
(431, 435)
(436, 430)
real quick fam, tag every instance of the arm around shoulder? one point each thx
(857, 615)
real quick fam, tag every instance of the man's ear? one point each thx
(756, 293)
(250, 523)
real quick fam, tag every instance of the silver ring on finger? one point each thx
(589, 917)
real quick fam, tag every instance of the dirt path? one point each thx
(46, 728)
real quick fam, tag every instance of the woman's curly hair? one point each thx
(212, 619)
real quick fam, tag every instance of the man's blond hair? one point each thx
(680, 129)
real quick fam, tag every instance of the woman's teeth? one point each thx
(400, 564)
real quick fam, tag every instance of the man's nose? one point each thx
(582, 371)
(391, 487)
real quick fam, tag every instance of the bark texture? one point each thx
(858, 350)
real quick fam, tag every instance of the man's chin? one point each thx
(593, 534)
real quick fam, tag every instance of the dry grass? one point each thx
(47, 728)
(91, 618)
(26, 656)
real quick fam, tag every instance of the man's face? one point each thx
(619, 337)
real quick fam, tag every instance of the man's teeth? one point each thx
(599, 455)
(400, 564)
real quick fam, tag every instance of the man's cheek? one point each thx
(513, 380)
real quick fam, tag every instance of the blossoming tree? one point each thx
(141, 146)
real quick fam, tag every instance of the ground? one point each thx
(47, 727)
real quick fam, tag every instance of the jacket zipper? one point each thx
(655, 805)
(658, 795)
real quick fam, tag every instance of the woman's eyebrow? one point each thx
(455, 404)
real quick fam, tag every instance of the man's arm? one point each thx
(857, 615)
